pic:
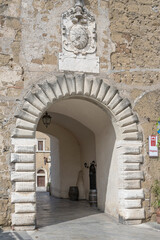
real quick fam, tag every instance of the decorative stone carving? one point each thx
(78, 40)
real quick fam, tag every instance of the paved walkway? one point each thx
(59, 219)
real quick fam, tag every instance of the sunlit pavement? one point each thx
(59, 219)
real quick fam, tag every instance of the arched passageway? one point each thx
(117, 138)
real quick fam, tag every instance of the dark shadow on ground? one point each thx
(9, 235)
(51, 210)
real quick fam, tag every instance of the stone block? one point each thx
(114, 102)
(23, 197)
(89, 64)
(131, 184)
(71, 84)
(27, 116)
(124, 114)
(24, 228)
(25, 207)
(109, 95)
(31, 109)
(131, 175)
(131, 158)
(22, 133)
(22, 158)
(22, 176)
(25, 186)
(25, 124)
(130, 128)
(23, 219)
(24, 149)
(24, 141)
(131, 194)
(129, 204)
(131, 150)
(102, 91)
(57, 90)
(79, 80)
(121, 106)
(48, 90)
(131, 136)
(95, 87)
(42, 97)
(24, 167)
(131, 166)
(88, 85)
(63, 85)
(33, 99)
(133, 214)
(129, 120)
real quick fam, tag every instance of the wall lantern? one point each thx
(46, 119)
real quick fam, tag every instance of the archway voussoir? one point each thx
(28, 107)
(20, 123)
(42, 97)
(88, 85)
(79, 82)
(121, 106)
(71, 85)
(115, 101)
(63, 85)
(27, 116)
(130, 128)
(131, 136)
(34, 100)
(57, 90)
(48, 91)
(129, 120)
(95, 87)
(109, 95)
(124, 114)
(102, 91)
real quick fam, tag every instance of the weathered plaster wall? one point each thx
(128, 47)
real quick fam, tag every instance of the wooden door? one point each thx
(41, 181)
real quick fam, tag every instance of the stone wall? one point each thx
(128, 47)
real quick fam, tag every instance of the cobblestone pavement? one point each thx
(59, 219)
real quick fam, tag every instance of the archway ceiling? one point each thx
(87, 113)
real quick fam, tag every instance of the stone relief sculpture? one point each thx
(78, 40)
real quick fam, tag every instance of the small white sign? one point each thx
(153, 149)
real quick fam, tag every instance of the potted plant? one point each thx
(156, 203)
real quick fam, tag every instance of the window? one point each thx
(41, 145)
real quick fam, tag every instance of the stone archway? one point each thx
(129, 144)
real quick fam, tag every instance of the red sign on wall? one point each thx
(153, 141)
(153, 149)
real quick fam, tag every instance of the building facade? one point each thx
(94, 66)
